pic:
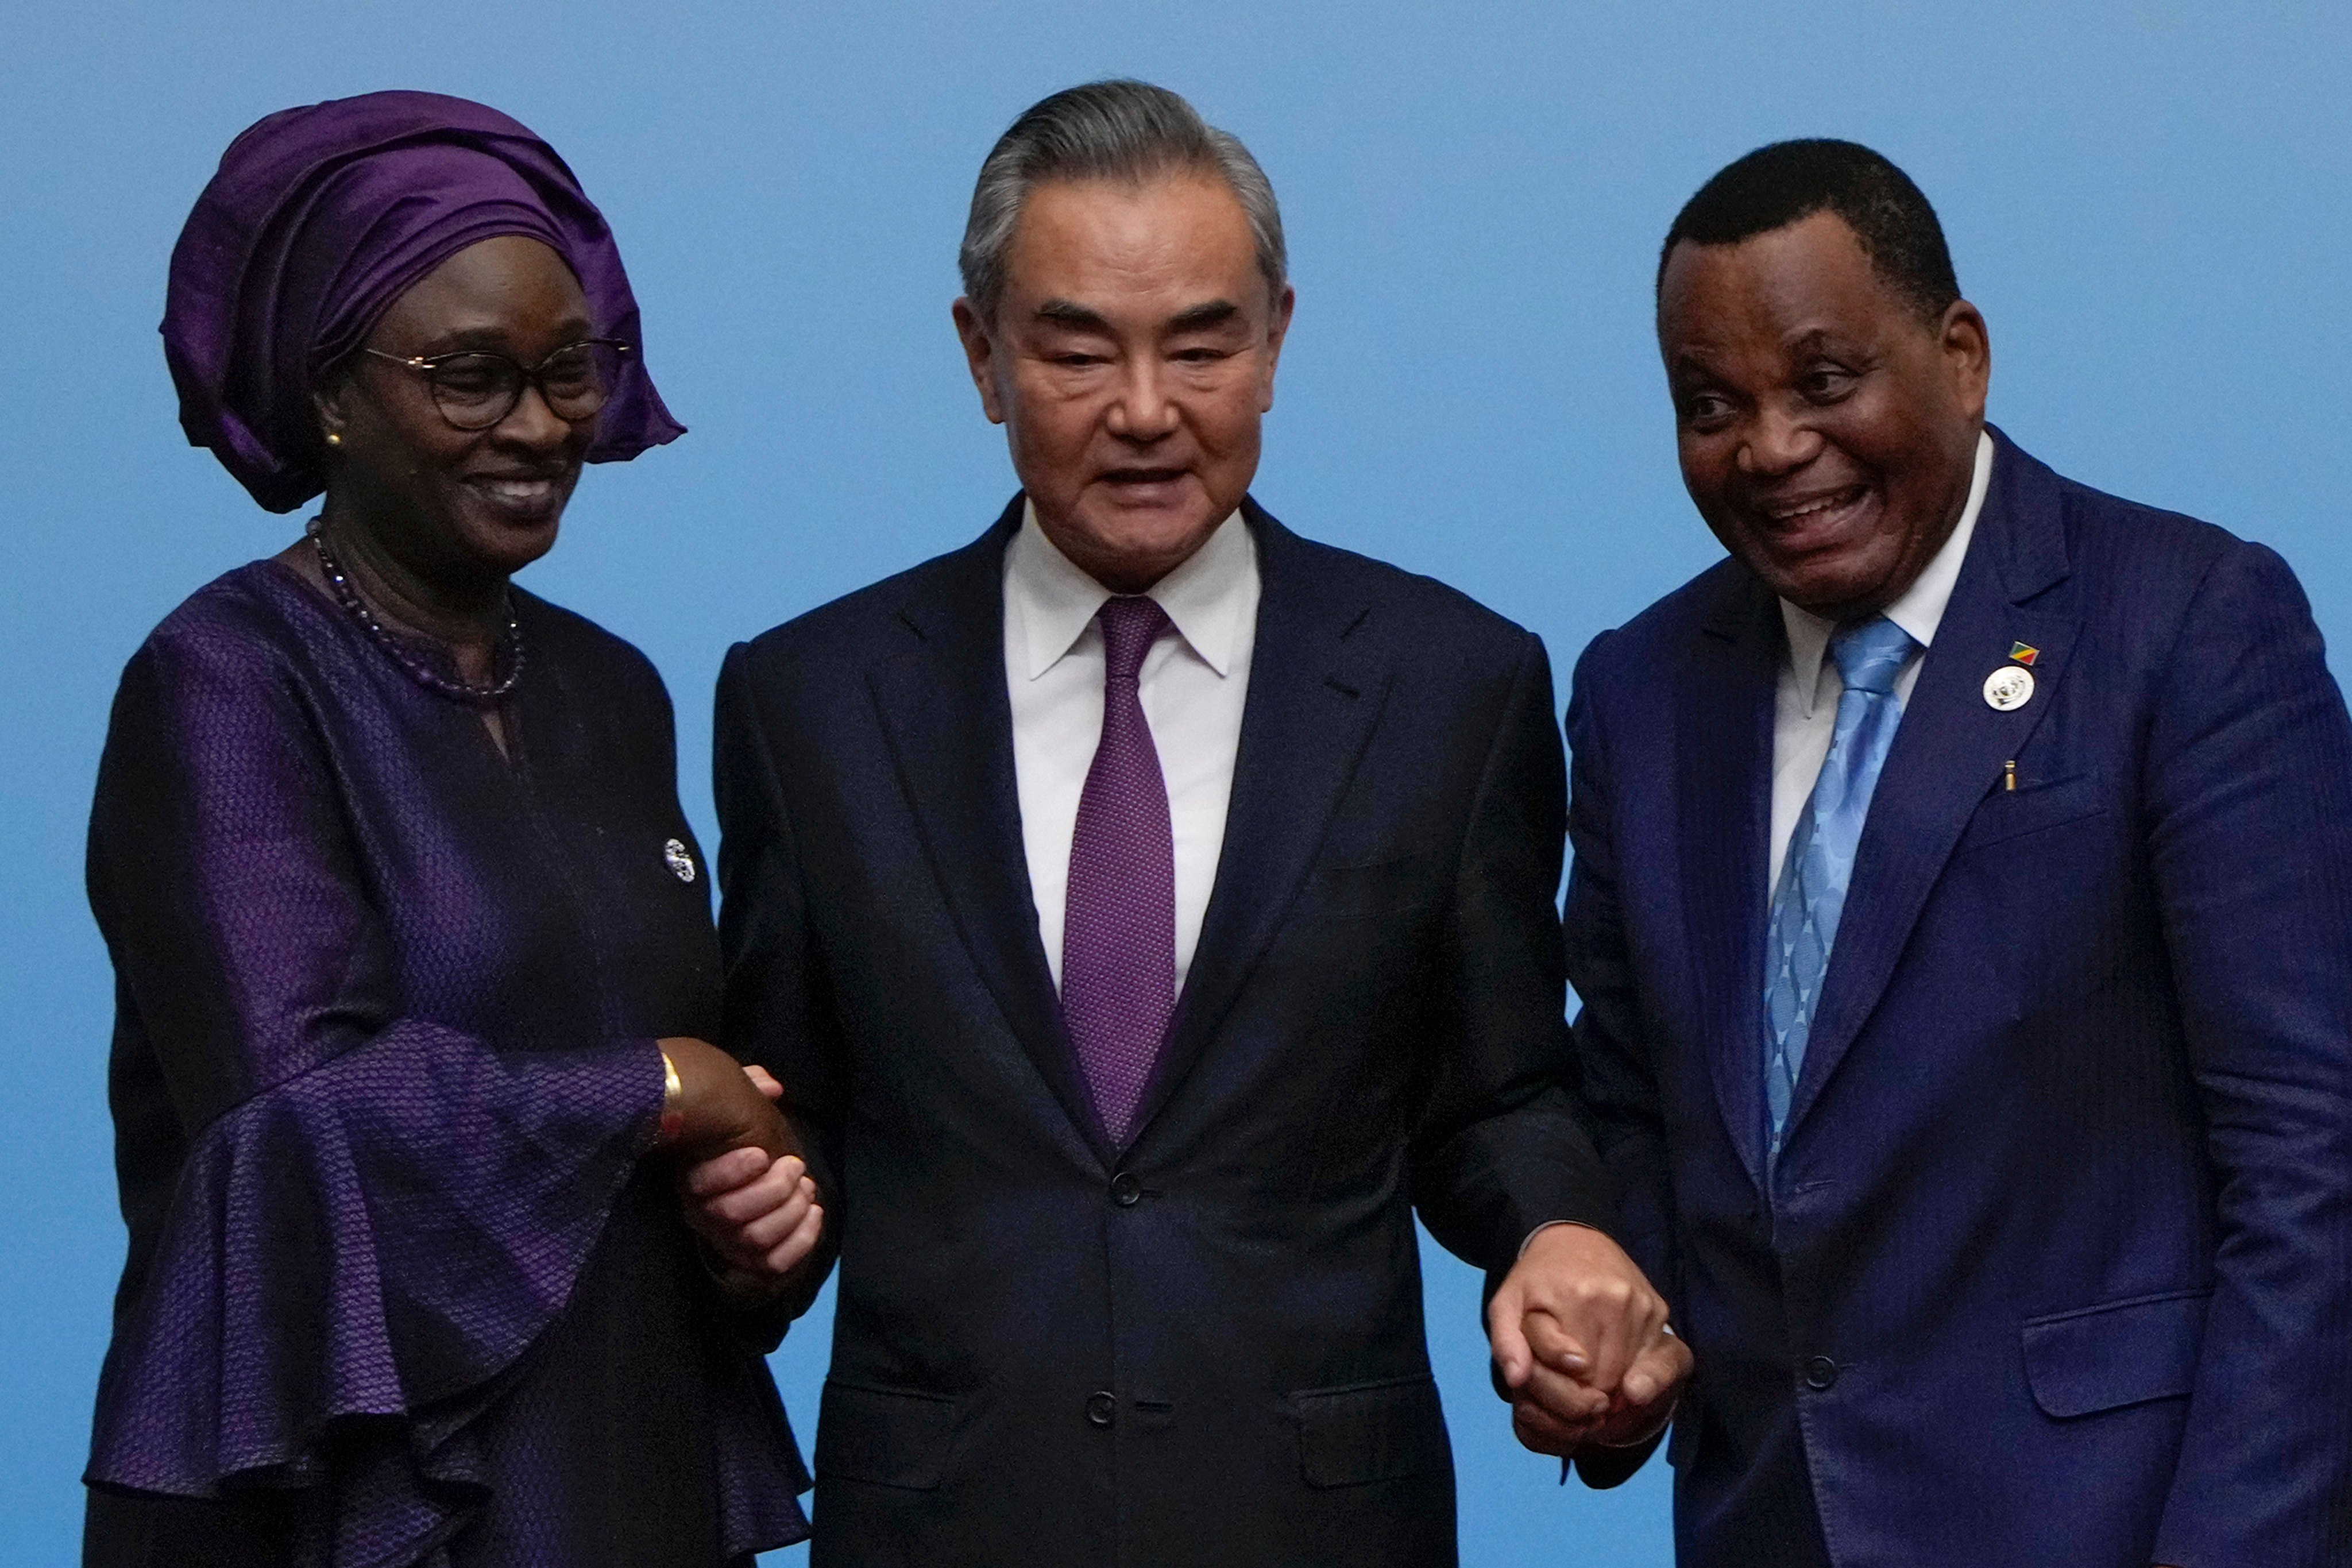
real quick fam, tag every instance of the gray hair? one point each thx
(1123, 130)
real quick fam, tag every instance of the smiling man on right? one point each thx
(1963, 876)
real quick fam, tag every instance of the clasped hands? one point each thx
(1580, 1338)
(745, 1187)
(1577, 1330)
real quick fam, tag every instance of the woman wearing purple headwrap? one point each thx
(413, 945)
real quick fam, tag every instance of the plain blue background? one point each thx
(2147, 201)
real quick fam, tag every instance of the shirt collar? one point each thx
(1919, 611)
(1058, 601)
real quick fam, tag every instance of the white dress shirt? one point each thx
(1193, 686)
(1805, 711)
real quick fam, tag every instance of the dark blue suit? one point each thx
(2056, 1265)
(1204, 1347)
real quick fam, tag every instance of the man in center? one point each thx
(1147, 912)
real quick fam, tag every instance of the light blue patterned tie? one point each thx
(1819, 862)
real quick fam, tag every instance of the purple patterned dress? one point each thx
(402, 1289)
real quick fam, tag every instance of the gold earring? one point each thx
(334, 439)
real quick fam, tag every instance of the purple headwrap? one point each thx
(318, 219)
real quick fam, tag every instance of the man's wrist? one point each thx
(1529, 1240)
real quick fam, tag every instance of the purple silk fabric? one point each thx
(317, 220)
(1118, 944)
(383, 1077)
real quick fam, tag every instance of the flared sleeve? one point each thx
(371, 1215)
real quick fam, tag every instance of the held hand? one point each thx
(1578, 1336)
(757, 1213)
(721, 1105)
(1656, 1376)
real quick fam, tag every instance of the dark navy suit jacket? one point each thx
(2055, 1267)
(1204, 1347)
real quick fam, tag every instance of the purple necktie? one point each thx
(1118, 944)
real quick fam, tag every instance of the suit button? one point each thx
(1102, 1408)
(1126, 1191)
(1820, 1374)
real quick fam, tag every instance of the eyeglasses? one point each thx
(475, 388)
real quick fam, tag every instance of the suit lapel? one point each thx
(1317, 685)
(1723, 765)
(1949, 751)
(950, 722)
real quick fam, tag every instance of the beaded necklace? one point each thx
(431, 679)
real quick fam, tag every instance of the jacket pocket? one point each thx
(2117, 1353)
(1371, 1432)
(2007, 814)
(888, 1437)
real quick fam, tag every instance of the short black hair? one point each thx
(1775, 186)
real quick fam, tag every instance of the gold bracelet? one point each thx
(672, 1089)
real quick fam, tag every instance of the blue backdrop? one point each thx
(2147, 201)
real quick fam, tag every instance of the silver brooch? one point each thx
(2009, 688)
(680, 860)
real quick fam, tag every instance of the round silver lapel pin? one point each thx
(680, 860)
(2008, 686)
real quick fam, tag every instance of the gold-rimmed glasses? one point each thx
(475, 388)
